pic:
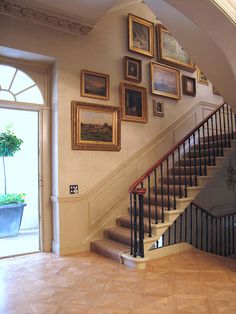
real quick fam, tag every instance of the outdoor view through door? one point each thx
(19, 163)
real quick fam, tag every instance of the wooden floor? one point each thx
(190, 282)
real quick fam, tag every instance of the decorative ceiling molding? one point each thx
(228, 7)
(44, 17)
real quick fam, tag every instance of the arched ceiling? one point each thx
(207, 34)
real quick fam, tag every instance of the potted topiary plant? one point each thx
(11, 205)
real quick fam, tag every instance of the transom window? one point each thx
(17, 86)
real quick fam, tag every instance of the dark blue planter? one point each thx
(10, 219)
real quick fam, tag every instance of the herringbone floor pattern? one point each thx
(190, 282)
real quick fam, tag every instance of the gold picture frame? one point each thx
(141, 35)
(133, 102)
(165, 80)
(170, 52)
(188, 85)
(201, 78)
(95, 127)
(158, 108)
(95, 85)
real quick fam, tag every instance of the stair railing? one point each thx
(168, 179)
(203, 230)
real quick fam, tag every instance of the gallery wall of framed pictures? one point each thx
(172, 75)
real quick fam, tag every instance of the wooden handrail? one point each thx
(210, 214)
(132, 188)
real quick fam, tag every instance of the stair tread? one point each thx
(110, 248)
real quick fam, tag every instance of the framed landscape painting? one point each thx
(94, 85)
(132, 69)
(170, 51)
(201, 78)
(95, 127)
(141, 35)
(133, 101)
(164, 80)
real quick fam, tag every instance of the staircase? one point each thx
(163, 193)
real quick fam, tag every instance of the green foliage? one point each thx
(9, 143)
(6, 199)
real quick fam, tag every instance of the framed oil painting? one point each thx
(201, 78)
(164, 80)
(133, 101)
(158, 108)
(189, 85)
(132, 69)
(170, 52)
(95, 127)
(94, 85)
(141, 35)
(215, 91)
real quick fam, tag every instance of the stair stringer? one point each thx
(170, 216)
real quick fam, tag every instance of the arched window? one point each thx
(17, 86)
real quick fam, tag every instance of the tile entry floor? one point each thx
(190, 282)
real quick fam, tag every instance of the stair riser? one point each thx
(126, 224)
(165, 190)
(159, 201)
(118, 238)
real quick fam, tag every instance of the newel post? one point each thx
(137, 225)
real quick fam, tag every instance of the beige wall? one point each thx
(102, 50)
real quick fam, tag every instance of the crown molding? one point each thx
(44, 17)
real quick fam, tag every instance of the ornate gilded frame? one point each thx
(91, 79)
(85, 133)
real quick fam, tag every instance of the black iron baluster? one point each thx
(162, 195)
(204, 149)
(207, 232)
(199, 153)
(191, 224)
(228, 127)
(213, 142)
(190, 162)
(168, 182)
(180, 191)
(216, 241)
(212, 232)
(220, 235)
(217, 138)
(180, 227)
(232, 125)
(228, 235)
(201, 230)
(186, 225)
(169, 235)
(225, 236)
(173, 161)
(196, 209)
(221, 136)
(156, 206)
(175, 232)
(208, 143)
(195, 159)
(185, 177)
(224, 127)
(135, 226)
(141, 223)
(131, 224)
(233, 238)
(149, 207)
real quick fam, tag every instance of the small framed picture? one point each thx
(133, 101)
(95, 127)
(141, 35)
(189, 85)
(215, 91)
(164, 80)
(158, 108)
(94, 85)
(132, 69)
(201, 78)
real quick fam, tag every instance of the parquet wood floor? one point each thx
(190, 282)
